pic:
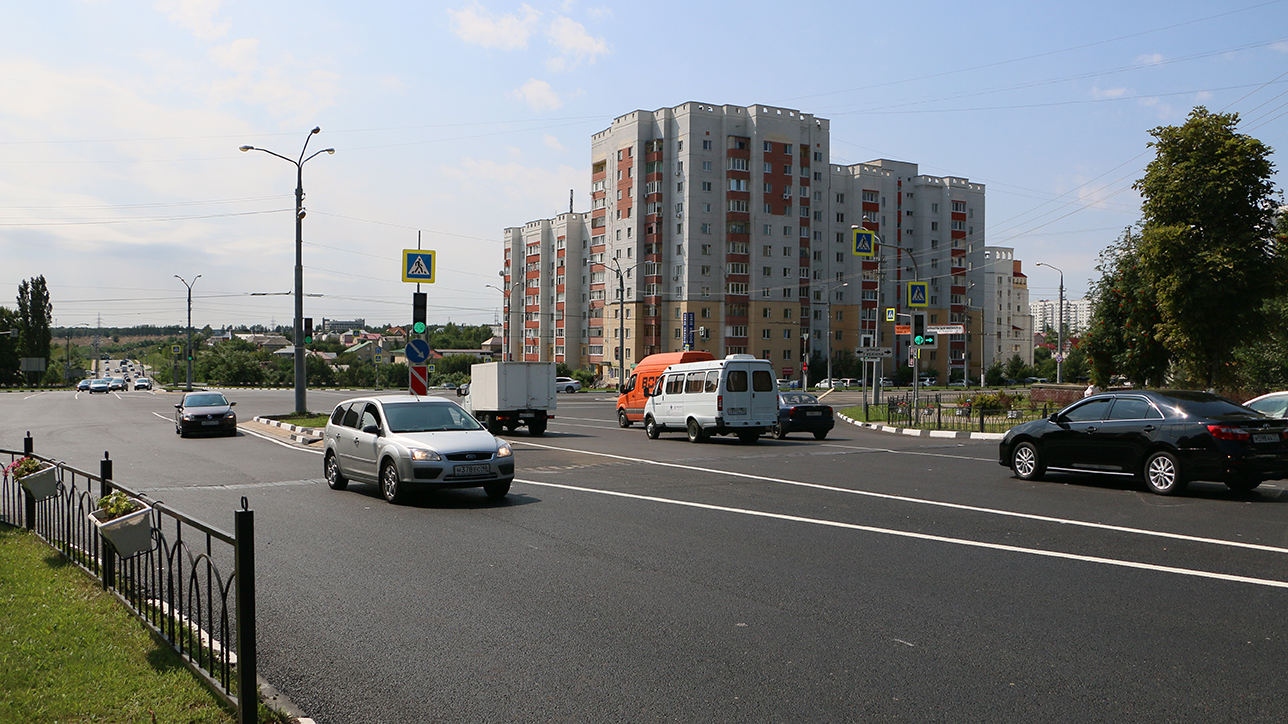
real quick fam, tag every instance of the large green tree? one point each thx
(1123, 338)
(9, 369)
(35, 318)
(1207, 244)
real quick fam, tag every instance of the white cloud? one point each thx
(515, 183)
(476, 26)
(195, 15)
(1099, 93)
(538, 95)
(552, 142)
(1281, 47)
(238, 56)
(1153, 59)
(571, 40)
(600, 13)
(1202, 96)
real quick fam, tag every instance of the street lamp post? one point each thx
(505, 308)
(300, 382)
(621, 320)
(1059, 328)
(831, 381)
(189, 286)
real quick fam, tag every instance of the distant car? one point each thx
(205, 412)
(566, 384)
(142, 383)
(885, 382)
(401, 443)
(115, 383)
(82, 386)
(957, 383)
(449, 386)
(802, 412)
(1274, 404)
(100, 385)
(1167, 437)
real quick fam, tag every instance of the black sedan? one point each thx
(802, 412)
(205, 412)
(1168, 437)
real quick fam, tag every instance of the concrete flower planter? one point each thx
(130, 534)
(43, 483)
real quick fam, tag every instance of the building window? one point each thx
(787, 355)
(706, 145)
(706, 165)
(706, 185)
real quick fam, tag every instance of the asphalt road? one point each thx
(868, 577)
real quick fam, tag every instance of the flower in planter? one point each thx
(22, 467)
(116, 505)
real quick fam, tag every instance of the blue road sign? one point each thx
(918, 294)
(417, 351)
(418, 266)
(865, 242)
(889, 314)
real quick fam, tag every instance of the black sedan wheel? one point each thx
(1026, 463)
(334, 478)
(1163, 474)
(390, 485)
(496, 491)
(779, 431)
(820, 434)
(1242, 483)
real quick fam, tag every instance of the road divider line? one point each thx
(926, 536)
(924, 501)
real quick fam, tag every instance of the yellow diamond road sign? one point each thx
(418, 266)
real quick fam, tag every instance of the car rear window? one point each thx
(736, 381)
(1209, 406)
(428, 417)
(351, 415)
(337, 417)
(762, 381)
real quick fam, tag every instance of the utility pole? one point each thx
(189, 286)
(1059, 328)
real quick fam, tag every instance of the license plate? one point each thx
(813, 414)
(472, 470)
(737, 410)
(210, 422)
(527, 414)
(1264, 437)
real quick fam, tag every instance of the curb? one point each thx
(914, 432)
(305, 435)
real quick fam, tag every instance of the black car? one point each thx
(205, 412)
(1168, 437)
(802, 412)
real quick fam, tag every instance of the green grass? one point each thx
(303, 419)
(70, 652)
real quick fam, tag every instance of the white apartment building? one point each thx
(1077, 315)
(734, 214)
(1004, 306)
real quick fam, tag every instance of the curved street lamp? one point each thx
(300, 385)
(1059, 328)
(505, 328)
(189, 286)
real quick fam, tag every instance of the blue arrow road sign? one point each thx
(417, 351)
(918, 294)
(418, 266)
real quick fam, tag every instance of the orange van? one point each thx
(630, 402)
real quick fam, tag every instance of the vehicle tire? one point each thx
(511, 426)
(820, 434)
(1026, 463)
(1163, 474)
(1242, 483)
(494, 425)
(695, 431)
(778, 431)
(650, 428)
(569, 390)
(497, 491)
(390, 486)
(622, 420)
(749, 438)
(334, 478)
(537, 428)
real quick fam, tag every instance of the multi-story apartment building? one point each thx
(1077, 315)
(1003, 305)
(735, 215)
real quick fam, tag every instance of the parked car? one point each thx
(142, 383)
(205, 412)
(1168, 437)
(101, 384)
(83, 385)
(402, 443)
(566, 384)
(885, 382)
(957, 383)
(802, 412)
(1274, 404)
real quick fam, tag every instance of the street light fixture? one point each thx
(831, 381)
(506, 309)
(300, 382)
(621, 320)
(1059, 328)
(189, 286)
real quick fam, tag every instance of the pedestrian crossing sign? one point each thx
(865, 242)
(918, 294)
(418, 266)
(889, 314)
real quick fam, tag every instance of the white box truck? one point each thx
(509, 394)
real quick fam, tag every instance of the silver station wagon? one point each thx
(403, 443)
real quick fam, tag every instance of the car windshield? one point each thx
(799, 398)
(428, 417)
(213, 399)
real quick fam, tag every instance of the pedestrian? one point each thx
(1091, 390)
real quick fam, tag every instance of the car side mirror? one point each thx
(178, 405)
(460, 391)
(372, 429)
(1055, 417)
(232, 404)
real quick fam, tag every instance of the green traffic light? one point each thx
(418, 328)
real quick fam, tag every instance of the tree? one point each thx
(35, 317)
(1209, 211)
(1124, 337)
(9, 365)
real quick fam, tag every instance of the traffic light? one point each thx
(926, 339)
(308, 330)
(418, 302)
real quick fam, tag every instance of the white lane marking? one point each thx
(38, 394)
(260, 435)
(907, 452)
(926, 536)
(923, 501)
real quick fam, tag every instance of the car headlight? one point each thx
(419, 454)
(504, 451)
(230, 415)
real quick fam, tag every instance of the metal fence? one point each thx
(195, 587)
(938, 411)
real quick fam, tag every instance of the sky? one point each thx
(120, 123)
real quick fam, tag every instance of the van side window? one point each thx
(713, 381)
(630, 384)
(674, 384)
(736, 381)
(762, 381)
(695, 382)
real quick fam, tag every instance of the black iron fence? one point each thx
(194, 587)
(954, 411)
